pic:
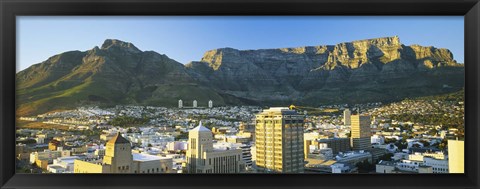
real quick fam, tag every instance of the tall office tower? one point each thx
(347, 117)
(360, 138)
(119, 155)
(456, 156)
(210, 104)
(279, 141)
(203, 158)
(194, 103)
(180, 103)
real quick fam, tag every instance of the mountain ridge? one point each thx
(120, 73)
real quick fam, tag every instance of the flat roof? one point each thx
(147, 157)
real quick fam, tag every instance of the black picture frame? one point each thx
(9, 9)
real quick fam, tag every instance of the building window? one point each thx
(157, 170)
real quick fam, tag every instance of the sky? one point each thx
(187, 38)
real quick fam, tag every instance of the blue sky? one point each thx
(186, 38)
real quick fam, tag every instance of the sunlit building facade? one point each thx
(279, 141)
(360, 138)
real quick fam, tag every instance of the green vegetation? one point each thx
(365, 166)
(455, 96)
(436, 119)
(127, 121)
(183, 135)
(386, 157)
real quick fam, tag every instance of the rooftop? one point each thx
(118, 139)
(201, 128)
(282, 110)
(147, 157)
(144, 157)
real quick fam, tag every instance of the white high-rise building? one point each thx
(210, 104)
(194, 103)
(180, 103)
(347, 117)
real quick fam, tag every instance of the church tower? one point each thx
(119, 155)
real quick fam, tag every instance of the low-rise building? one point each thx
(385, 167)
(354, 157)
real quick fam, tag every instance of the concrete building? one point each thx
(279, 141)
(336, 144)
(118, 155)
(385, 167)
(180, 103)
(425, 169)
(210, 104)
(437, 165)
(377, 139)
(47, 155)
(343, 168)
(360, 138)
(203, 158)
(62, 165)
(456, 156)
(54, 144)
(145, 163)
(119, 159)
(177, 146)
(409, 166)
(347, 117)
(354, 157)
(417, 156)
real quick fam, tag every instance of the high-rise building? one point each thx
(180, 103)
(360, 138)
(210, 104)
(194, 103)
(279, 141)
(203, 158)
(456, 156)
(347, 117)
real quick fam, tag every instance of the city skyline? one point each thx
(174, 36)
(386, 97)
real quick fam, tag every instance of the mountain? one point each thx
(361, 71)
(116, 73)
(381, 69)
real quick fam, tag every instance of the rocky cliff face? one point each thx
(347, 72)
(371, 70)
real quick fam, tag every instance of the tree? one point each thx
(386, 157)
(365, 166)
